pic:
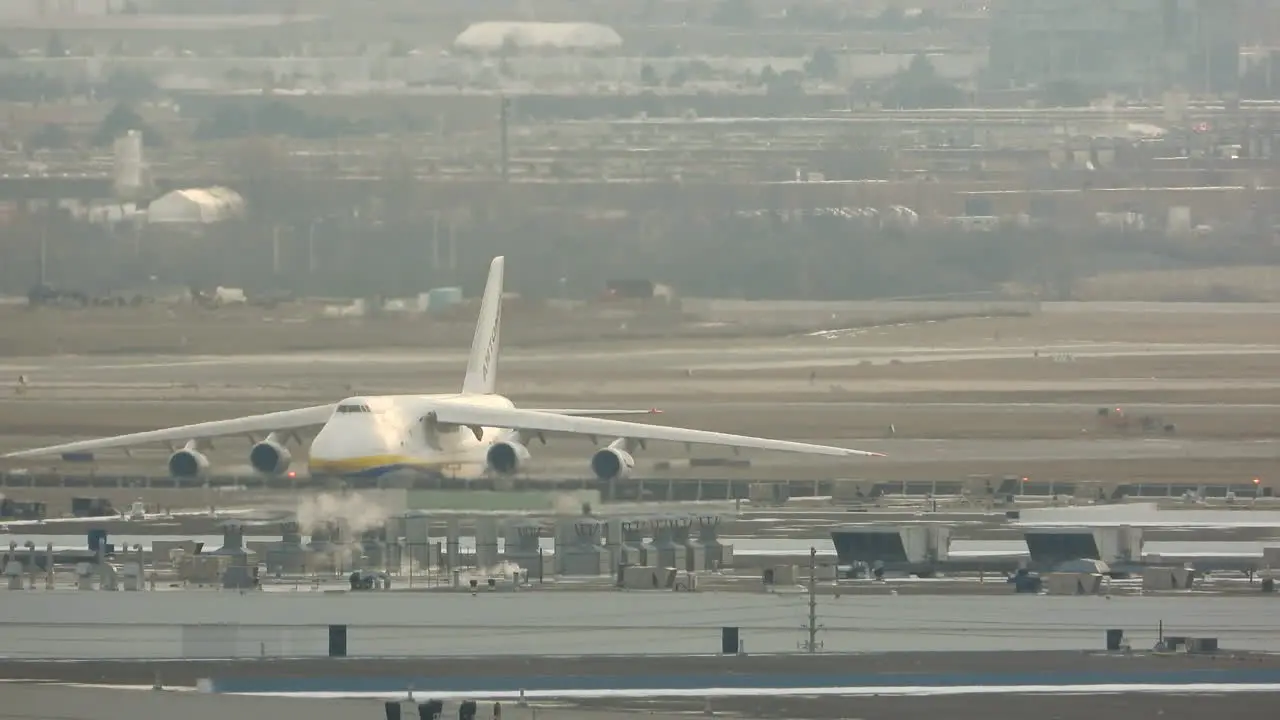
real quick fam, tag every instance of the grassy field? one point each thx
(1220, 284)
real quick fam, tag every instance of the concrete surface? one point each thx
(677, 671)
(1165, 705)
(97, 703)
(29, 702)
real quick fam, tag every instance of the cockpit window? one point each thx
(353, 408)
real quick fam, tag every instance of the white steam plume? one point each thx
(566, 504)
(359, 513)
(504, 569)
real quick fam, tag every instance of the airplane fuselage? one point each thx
(379, 434)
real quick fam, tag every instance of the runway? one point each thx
(708, 389)
(675, 376)
(937, 670)
(95, 702)
(81, 702)
(733, 356)
(950, 451)
(1179, 704)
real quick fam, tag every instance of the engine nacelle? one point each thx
(270, 458)
(506, 457)
(188, 464)
(612, 464)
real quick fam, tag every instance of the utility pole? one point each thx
(813, 645)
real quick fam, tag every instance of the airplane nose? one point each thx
(347, 444)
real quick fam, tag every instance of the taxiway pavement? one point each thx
(669, 671)
(70, 702)
(45, 700)
(641, 358)
(1167, 704)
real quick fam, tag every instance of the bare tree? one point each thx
(264, 177)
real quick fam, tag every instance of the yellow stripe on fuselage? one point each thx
(368, 463)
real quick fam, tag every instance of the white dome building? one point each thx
(196, 206)
(489, 37)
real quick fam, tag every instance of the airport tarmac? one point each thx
(969, 380)
(935, 690)
(632, 361)
(95, 702)
(633, 671)
(1074, 704)
(69, 702)
(987, 404)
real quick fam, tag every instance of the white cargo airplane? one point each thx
(477, 428)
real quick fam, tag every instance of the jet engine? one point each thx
(506, 457)
(188, 464)
(612, 464)
(270, 458)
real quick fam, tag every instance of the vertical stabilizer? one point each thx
(482, 366)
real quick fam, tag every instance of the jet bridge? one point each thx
(919, 549)
(923, 549)
(1117, 546)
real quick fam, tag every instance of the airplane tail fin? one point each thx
(482, 365)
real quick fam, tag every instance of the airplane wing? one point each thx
(250, 425)
(533, 421)
(587, 412)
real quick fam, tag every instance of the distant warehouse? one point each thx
(491, 37)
